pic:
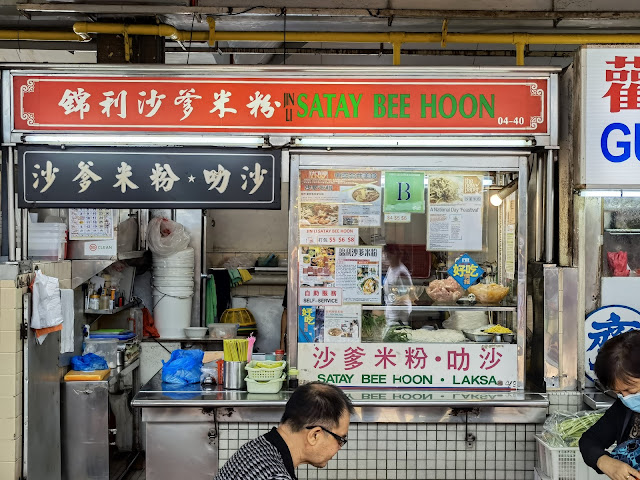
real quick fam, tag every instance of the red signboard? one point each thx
(280, 105)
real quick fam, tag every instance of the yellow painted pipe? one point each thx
(82, 31)
(520, 54)
(40, 35)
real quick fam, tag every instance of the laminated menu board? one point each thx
(358, 274)
(454, 217)
(331, 198)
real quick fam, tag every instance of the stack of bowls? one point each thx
(173, 286)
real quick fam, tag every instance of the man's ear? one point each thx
(313, 436)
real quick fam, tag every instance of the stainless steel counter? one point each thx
(596, 399)
(533, 406)
(183, 421)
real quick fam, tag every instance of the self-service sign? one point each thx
(611, 116)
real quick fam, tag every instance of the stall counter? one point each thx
(183, 422)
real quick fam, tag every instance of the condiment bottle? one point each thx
(293, 379)
(104, 300)
(94, 302)
(279, 355)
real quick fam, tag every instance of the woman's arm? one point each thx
(602, 435)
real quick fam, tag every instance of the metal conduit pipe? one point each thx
(51, 36)
(82, 31)
(549, 246)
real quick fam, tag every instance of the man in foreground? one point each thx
(312, 430)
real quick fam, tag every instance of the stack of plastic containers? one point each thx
(173, 292)
(47, 241)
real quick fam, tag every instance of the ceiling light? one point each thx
(330, 141)
(497, 198)
(137, 140)
(600, 193)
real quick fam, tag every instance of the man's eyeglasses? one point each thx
(341, 440)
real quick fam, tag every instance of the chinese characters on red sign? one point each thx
(286, 105)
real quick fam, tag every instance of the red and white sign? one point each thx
(320, 296)
(280, 105)
(476, 366)
(329, 236)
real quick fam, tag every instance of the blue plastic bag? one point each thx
(183, 367)
(88, 362)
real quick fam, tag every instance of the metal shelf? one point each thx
(110, 312)
(440, 308)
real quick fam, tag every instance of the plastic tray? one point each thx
(271, 386)
(263, 374)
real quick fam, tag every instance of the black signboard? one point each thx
(149, 177)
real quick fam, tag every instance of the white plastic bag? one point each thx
(47, 307)
(166, 237)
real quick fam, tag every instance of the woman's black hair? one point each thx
(316, 403)
(619, 360)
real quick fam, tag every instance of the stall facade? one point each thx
(384, 168)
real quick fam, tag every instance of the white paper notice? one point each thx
(90, 224)
(358, 274)
(454, 218)
(342, 324)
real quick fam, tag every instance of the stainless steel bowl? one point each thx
(478, 337)
(508, 337)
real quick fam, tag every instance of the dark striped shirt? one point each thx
(265, 458)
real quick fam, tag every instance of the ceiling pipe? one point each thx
(83, 30)
(49, 36)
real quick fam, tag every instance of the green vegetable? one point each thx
(373, 327)
(397, 334)
(569, 431)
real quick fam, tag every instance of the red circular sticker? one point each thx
(93, 247)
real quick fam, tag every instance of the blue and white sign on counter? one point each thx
(603, 324)
(611, 117)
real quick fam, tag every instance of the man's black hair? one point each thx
(619, 360)
(316, 403)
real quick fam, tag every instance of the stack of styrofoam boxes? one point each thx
(10, 380)
(47, 241)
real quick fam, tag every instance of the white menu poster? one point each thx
(342, 324)
(330, 198)
(454, 216)
(90, 224)
(358, 274)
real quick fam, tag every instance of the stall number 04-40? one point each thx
(512, 121)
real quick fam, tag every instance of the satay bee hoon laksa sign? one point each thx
(149, 177)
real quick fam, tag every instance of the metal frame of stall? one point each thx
(193, 424)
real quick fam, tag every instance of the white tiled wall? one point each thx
(414, 451)
(566, 401)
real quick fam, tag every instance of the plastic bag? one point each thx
(466, 320)
(166, 237)
(47, 306)
(88, 362)
(183, 367)
(564, 429)
(127, 233)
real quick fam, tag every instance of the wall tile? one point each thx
(426, 451)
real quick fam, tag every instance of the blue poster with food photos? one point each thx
(306, 324)
(465, 271)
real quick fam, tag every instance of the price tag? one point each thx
(397, 218)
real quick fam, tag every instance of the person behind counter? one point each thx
(397, 288)
(618, 369)
(313, 428)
